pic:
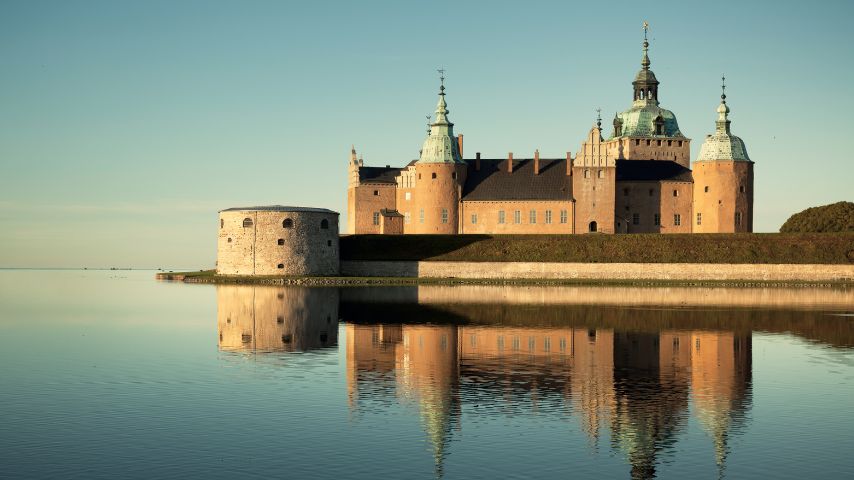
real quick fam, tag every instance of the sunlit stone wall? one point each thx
(278, 241)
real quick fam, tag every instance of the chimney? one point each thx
(460, 144)
(537, 161)
(568, 164)
(510, 162)
(477, 162)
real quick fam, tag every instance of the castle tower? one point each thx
(723, 180)
(352, 182)
(440, 175)
(646, 131)
(594, 174)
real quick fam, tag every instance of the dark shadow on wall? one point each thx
(403, 247)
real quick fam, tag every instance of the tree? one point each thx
(836, 217)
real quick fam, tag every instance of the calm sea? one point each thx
(111, 374)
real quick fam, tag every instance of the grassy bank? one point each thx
(772, 248)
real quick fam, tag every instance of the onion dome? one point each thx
(723, 145)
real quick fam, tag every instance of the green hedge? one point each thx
(824, 248)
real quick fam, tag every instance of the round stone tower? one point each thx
(278, 240)
(440, 175)
(723, 181)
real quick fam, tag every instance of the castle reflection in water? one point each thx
(631, 375)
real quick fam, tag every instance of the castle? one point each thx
(639, 180)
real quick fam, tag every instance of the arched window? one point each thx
(281, 265)
(592, 226)
(247, 222)
(288, 223)
(324, 224)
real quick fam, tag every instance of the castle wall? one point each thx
(642, 199)
(488, 217)
(718, 196)
(437, 189)
(593, 189)
(369, 199)
(678, 151)
(265, 247)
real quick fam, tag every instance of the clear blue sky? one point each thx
(125, 126)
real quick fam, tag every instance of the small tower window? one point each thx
(221, 223)
(444, 215)
(324, 224)
(706, 189)
(281, 265)
(677, 219)
(376, 218)
(376, 193)
(433, 175)
(247, 222)
(737, 219)
(281, 241)
(288, 223)
(675, 193)
(592, 226)
(229, 240)
(600, 174)
(741, 188)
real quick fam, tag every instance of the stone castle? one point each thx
(638, 180)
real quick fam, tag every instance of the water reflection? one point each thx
(629, 367)
(276, 319)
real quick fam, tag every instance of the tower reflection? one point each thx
(276, 319)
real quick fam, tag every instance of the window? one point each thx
(288, 223)
(433, 175)
(444, 215)
(647, 143)
(637, 142)
(625, 192)
(501, 216)
(738, 219)
(406, 218)
(376, 218)
(517, 216)
(699, 218)
(636, 219)
(651, 192)
(592, 227)
(677, 219)
(680, 143)
(454, 175)
(329, 243)
(706, 189)
(280, 320)
(229, 240)
(281, 265)
(548, 216)
(376, 193)
(473, 218)
(563, 216)
(407, 196)
(587, 174)
(533, 216)
(670, 143)
(600, 174)
(281, 241)
(247, 222)
(660, 133)
(741, 188)
(221, 223)
(675, 193)
(324, 224)
(421, 216)
(656, 219)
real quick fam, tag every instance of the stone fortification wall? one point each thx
(602, 271)
(286, 241)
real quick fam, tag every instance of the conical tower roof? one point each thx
(723, 145)
(440, 146)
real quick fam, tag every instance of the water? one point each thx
(115, 375)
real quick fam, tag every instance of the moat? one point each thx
(109, 374)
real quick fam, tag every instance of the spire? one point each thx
(442, 107)
(599, 118)
(645, 84)
(722, 124)
(645, 61)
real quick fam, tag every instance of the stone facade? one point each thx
(278, 241)
(637, 180)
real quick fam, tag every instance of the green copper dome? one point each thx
(440, 146)
(723, 145)
(646, 118)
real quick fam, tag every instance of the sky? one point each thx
(126, 126)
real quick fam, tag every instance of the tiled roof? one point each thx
(378, 174)
(493, 182)
(651, 171)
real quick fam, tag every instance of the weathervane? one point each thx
(599, 117)
(442, 77)
(429, 117)
(645, 28)
(723, 87)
